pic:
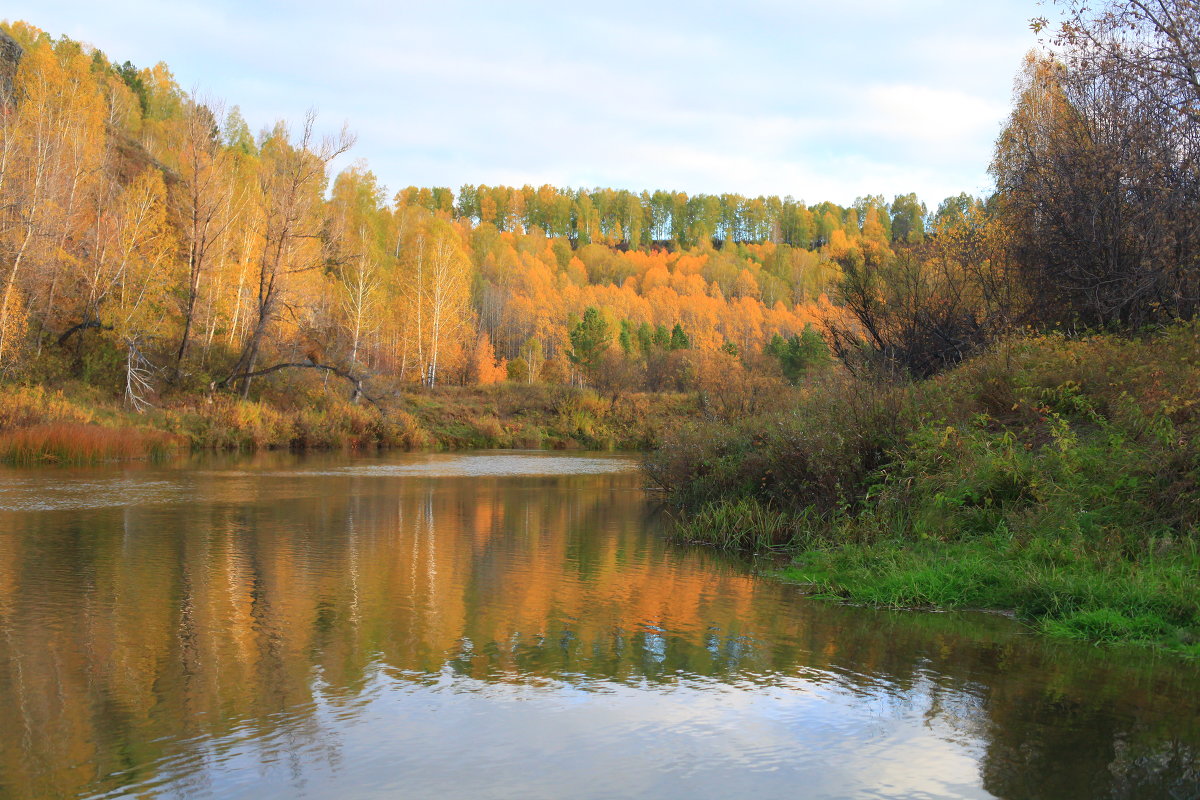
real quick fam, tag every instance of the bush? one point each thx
(821, 454)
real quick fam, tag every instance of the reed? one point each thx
(76, 444)
(744, 525)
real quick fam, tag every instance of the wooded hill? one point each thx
(150, 242)
(149, 239)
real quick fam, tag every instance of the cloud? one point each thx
(824, 102)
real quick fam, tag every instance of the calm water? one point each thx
(508, 626)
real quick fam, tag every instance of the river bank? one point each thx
(1054, 477)
(80, 424)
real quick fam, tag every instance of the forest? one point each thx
(154, 247)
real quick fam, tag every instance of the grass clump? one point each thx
(743, 524)
(77, 444)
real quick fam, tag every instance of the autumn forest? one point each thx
(151, 228)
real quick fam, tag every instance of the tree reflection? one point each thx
(134, 638)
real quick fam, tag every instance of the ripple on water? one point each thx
(44, 491)
(41, 494)
(487, 465)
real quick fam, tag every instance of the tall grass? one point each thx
(79, 444)
(742, 525)
(43, 426)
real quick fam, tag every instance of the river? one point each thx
(509, 625)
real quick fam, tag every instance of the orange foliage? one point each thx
(486, 369)
(74, 443)
(421, 288)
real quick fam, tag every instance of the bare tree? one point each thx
(1098, 169)
(208, 199)
(292, 177)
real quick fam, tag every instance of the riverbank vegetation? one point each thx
(81, 425)
(1055, 476)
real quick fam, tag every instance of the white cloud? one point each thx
(824, 102)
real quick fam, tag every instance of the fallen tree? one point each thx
(355, 380)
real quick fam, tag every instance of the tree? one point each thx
(533, 357)
(954, 211)
(908, 219)
(679, 339)
(1156, 43)
(485, 369)
(921, 309)
(625, 338)
(798, 354)
(436, 293)
(358, 256)
(1098, 181)
(132, 271)
(291, 178)
(208, 199)
(51, 148)
(589, 340)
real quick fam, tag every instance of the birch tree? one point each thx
(52, 142)
(209, 202)
(292, 177)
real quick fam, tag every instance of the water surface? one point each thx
(508, 625)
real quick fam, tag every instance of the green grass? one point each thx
(1074, 595)
(740, 525)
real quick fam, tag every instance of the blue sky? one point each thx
(820, 101)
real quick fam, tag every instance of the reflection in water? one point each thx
(439, 625)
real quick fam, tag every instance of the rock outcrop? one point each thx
(10, 56)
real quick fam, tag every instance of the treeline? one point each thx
(1094, 224)
(644, 220)
(149, 241)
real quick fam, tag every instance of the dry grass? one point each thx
(26, 406)
(84, 425)
(75, 443)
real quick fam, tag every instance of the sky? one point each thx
(827, 101)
